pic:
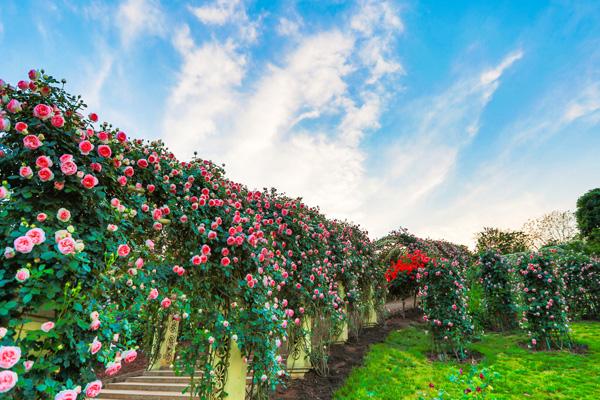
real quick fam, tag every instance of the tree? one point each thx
(557, 227)
(588, 214)
(504, 241)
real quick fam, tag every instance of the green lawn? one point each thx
(399, 369)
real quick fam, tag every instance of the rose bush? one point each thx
(544, 313)
(110, 237)
(499, 294)
(443, 293)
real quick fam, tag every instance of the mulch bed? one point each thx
(342, 359)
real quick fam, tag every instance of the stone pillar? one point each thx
(298, 360)
(166, 354)
(235, 382)
(343, 336)
(371, 317)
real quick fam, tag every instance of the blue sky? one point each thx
(440, 116)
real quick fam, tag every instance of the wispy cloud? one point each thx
(137, 17)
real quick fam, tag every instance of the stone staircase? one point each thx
(152, 385)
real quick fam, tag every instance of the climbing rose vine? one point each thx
(106, 238)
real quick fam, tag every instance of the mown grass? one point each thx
(399, 369)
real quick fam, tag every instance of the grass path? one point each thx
(399, 369)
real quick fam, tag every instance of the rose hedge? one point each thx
(114, 235)
(499, 295)
(544, 313)
(443, 292)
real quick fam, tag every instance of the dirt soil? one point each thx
(343, 358)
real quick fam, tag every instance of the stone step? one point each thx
(112, 394)
(164, 372)
(151, 386)
(160, 379)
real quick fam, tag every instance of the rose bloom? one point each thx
(26, 172)
(8, 380)
(28, 365)
(104, 151)
(85, 147)
(47, 326)
(43, 162)
(66, 395)
(66, 246)
(37, 235)
(32, 142)
(68, 168)
(89, 181)
(153, 294)
(45, 174)
(3, 192)
(63, 215)
(95, 346)
(9, 252)
(112, 368)
(165, 303)
(9, 356)
(22, 275)
(130, 356)
(103, 136)
(66, 157)
(21, 127)
(42, 111)
(59, 185)
(14, 106)
(57, 121)
(121, 137)
(112, 227)
(94, 325)
(123, 250)
(93, 389)
(23, 244)
(4, 124)
(3, 331)
(93, 117)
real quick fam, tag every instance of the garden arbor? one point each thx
(123, 241)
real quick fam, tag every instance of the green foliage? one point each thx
(499, 297)
(400, 369)
(588, 213)
(503, 241)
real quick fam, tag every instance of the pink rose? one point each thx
(9, 252)
(122, 180)
(112, 368)
(8, 380)
(3, 331)
(45, 174)
(28, 365)
(42, 111)
(68, 168)
(3, 192)
(94, 325)
(57, 121)
(104, 151)
(96, 167)
(121, 137)
(21, 127)
(9, 356)
(165, 303)
(14, 106)
(22, 275)
(37, 235)
(130, 356)
(43, 162)
(66, 245)
(32, 142)
(26, 172)
(4, 124)
(93, 117)
(103, 136)
(41, 217)
(93, 389)
(86, 147)
(89, 181)
(63, 215)
(47, 326)
(153, 294)
(66, 157)
(123, 250)
(95, 346)
(23, 244)
(66, 395)
(34, 75)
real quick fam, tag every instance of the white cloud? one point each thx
(218, 13)
(137, 17)
(288, 27)
(259, 132)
